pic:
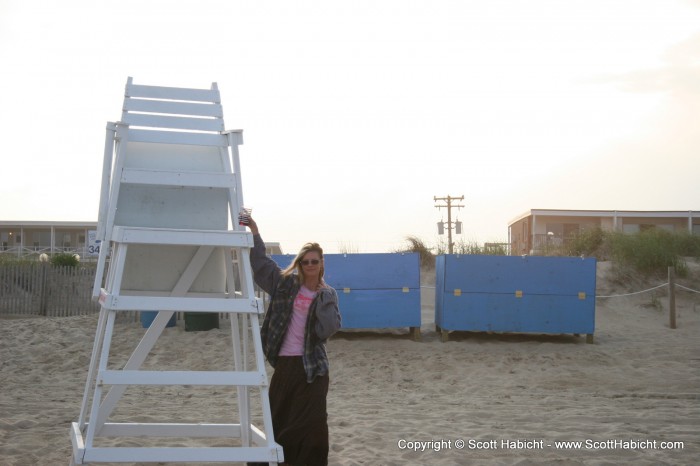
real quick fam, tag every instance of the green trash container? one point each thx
(199, 321)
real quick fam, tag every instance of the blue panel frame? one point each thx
(515, 294)
(374, 290)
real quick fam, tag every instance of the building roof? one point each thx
(608, 213)
(43, 223)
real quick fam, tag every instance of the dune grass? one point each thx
(649, 252)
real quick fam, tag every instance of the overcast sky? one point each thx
(357, 113)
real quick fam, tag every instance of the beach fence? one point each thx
(375, 291)
(513, 294)
(42, 289)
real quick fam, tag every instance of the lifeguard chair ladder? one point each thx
(171, 192)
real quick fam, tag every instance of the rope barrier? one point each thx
(636, 292)
(687, 289)
(650, 289)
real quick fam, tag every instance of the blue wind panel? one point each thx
(374, 290)
(379, 308)
(515, 294)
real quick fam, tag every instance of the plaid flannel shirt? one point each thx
(322, 322)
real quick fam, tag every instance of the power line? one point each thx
(457, 226)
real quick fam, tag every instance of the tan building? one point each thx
(535, 230)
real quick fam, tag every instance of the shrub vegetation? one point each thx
(648, 252)
(64, 260)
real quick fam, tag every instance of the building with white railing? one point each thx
(27, 239)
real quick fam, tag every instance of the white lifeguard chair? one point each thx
(171, 193)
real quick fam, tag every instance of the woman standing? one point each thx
(302, 315)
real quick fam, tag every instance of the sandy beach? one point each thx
(476, 399)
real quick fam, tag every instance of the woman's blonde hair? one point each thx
(296, 263)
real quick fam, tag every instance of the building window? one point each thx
(556, 229)
(571, 230)
(640, 227)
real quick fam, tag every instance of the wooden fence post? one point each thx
(43, 298)
(672, 296)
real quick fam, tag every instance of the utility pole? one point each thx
(448, 204)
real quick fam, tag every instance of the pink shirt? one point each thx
(293, 344)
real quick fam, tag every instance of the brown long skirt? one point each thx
(299, 416)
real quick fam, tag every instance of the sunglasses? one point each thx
(310, 262)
